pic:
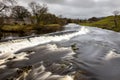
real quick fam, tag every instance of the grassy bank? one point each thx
(31, 28)
(16, 28)
(105, 23)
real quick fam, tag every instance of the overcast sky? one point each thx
(79, 8)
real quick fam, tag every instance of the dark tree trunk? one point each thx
(2, 8)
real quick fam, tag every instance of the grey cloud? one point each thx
(80, 8)
(54, 1)
(74, 3)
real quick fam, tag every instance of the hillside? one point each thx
(105, 23)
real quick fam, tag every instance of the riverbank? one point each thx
(9, 31)
(105, 23)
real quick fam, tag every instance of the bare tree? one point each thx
(37, 11)
(6, 4)
(20, 12)
(116, 13)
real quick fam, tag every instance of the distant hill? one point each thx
(105, 23)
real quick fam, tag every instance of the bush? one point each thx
(47, 28)
(27, 29)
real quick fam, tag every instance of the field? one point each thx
(105, 23)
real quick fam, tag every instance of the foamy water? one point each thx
(97, 51)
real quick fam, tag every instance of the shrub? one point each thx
(47, 28)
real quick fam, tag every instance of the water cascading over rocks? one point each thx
(76, 53)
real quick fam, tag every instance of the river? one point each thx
(96, 51)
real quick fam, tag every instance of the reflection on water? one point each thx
(5, 36)
(9, 35)
(67, 29)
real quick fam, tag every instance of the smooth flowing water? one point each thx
(97, 50)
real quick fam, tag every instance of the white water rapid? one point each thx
(98, 52)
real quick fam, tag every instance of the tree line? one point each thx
(37, 13)
(42, 21)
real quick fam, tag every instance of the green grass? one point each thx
(26, 29)
(16, 28)
(105, 23)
